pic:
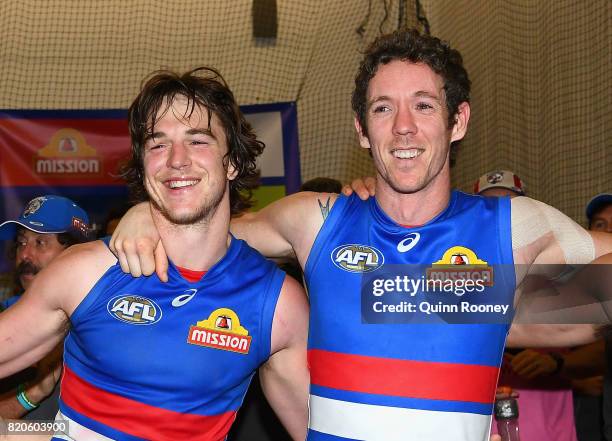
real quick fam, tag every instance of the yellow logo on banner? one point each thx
(67, 153)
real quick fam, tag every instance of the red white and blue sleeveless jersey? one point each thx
(402, 381)
(168, 361)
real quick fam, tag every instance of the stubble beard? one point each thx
(202, 215)
(393, 178)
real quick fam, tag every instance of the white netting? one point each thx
(540, 70)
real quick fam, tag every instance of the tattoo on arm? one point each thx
(324, 207)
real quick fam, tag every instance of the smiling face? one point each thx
(185, 171)
(407, 126)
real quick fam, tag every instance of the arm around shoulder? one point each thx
(287, 226)
(284, 377)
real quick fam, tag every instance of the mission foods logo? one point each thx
(461, 263)
(67, 154)
(133, 309)
(221, 330)
(357, 258)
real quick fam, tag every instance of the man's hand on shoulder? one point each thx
(137, 245)
(364, 187)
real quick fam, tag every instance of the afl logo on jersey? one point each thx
(135, 310)
(357, 258)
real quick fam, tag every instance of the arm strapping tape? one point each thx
(533, 219)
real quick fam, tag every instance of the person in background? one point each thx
(544, 399)
(112, 220)
(46, 227)
(599, 213)
(499, 183)
(593, 394)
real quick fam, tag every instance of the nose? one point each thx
(24, 252)
(404, 122)
(179, 156)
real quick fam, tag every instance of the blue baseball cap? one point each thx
(597, 203)
(49, 214)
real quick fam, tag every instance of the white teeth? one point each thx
(407, 154)
(180, 184)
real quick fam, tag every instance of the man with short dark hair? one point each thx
(46, 227)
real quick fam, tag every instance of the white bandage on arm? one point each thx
(532, 220)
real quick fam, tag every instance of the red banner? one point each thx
(62, 152)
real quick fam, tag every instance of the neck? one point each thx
(196, 246)
(416, 208)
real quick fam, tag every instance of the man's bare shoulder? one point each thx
(72, 274)
(301, 202)
(94, 254)
(324, 201)
(286, 227)
(290, 316)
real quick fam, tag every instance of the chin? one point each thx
(185, 218)
(405, 187)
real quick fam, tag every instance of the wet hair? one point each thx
(203, 88)
(410, 45)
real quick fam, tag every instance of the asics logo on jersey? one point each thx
(408, 242)
(184, 298)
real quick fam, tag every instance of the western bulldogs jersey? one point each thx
(396, 380)
(168, 361)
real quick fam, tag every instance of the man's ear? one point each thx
(231, 170)
(461, 121)
(363, 140)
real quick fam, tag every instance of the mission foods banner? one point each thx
(78, 153)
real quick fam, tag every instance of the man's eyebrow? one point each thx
(154, 135)
(191, 132)
(196, 131)
(426, 94)
(418, 94)
(377, 99)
